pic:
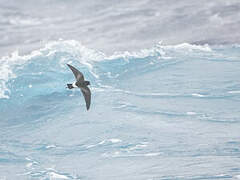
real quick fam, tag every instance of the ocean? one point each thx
(165, 109)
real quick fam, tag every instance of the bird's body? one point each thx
(78, 84)
(82, 84)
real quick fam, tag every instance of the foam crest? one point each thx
(152, 52)
(6, 70)
(160, 51)
(74, 48)
(186, 46)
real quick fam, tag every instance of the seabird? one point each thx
(82, 84)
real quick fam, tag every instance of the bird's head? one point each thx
(87, 83)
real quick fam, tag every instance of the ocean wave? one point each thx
(45, 69)
(50, 61)
(41, 63)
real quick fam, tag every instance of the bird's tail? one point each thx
(70, 86)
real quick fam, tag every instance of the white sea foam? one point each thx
(51, 146)
(186, 46)
(152, 154)
(28, 165)
(28, 159)
(115, 140)
(191, 113)
(197, 95)
(102, 142)
(137, 147)
(55, 176)
(234, 92)
(6, 69)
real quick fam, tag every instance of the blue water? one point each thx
(167, 112)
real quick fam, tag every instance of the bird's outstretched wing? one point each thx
(87, 96)
(78, 75)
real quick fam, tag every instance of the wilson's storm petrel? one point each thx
(82, 84)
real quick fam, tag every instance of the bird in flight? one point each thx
(82, 84)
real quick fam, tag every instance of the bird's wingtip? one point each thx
(88, 107)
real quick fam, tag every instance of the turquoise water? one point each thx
(168, 112)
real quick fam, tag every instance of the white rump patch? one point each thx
(74, 85)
